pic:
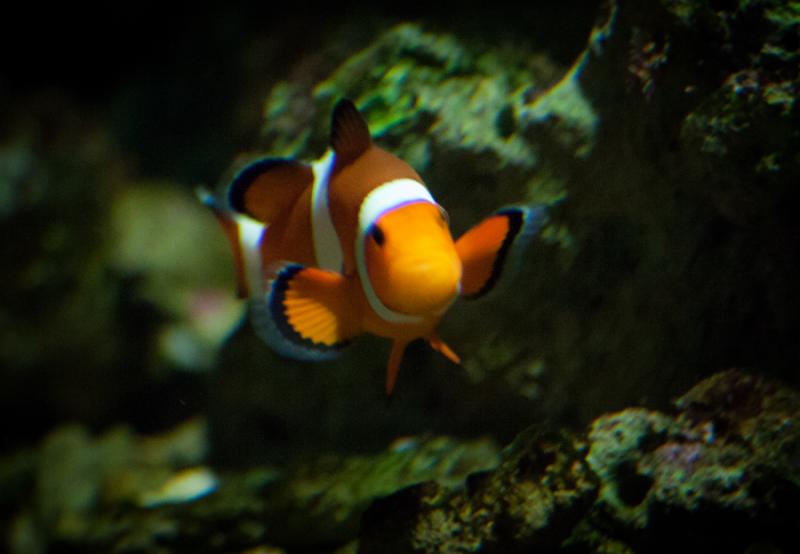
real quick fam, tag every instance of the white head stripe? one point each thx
(327, 248)
(388, 196)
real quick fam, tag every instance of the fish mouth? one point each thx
(426, 310)
(428, 289)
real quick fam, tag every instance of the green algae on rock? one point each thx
(616, 445)
(720, 473)
(331, 494)
(409, 80)
(723, 461)
(119, 492)
(75, 478)
(427, 96)
(532, 500)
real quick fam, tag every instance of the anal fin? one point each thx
(396, 357)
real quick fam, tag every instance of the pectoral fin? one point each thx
(307, 313)
(484, 248)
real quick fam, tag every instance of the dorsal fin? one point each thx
(267, 187)
(349, 131)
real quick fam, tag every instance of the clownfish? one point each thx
(354, 243)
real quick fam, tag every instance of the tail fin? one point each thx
(244, 237)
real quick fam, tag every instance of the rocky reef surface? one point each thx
(718, 472)
(119, 492)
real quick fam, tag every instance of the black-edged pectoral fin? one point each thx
(485, 248)
(307, 313)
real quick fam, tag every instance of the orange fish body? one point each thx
(352, 244)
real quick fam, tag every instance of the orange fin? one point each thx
(349, 132)
(439, 345)
(393, 367)
(307, 313)
(231, 228)
(484, 248)
(268, 187)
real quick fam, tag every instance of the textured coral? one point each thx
(532, 500)
(119, 492)
(640, 481)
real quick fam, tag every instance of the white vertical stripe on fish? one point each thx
(387, 196)
(327, 247)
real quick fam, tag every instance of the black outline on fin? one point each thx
(247, 175)
(347, 123)
(271, 324)
(522, 221)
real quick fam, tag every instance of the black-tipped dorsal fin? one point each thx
(268, 187)
(349, 131)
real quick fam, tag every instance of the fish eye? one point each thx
(377, 235)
